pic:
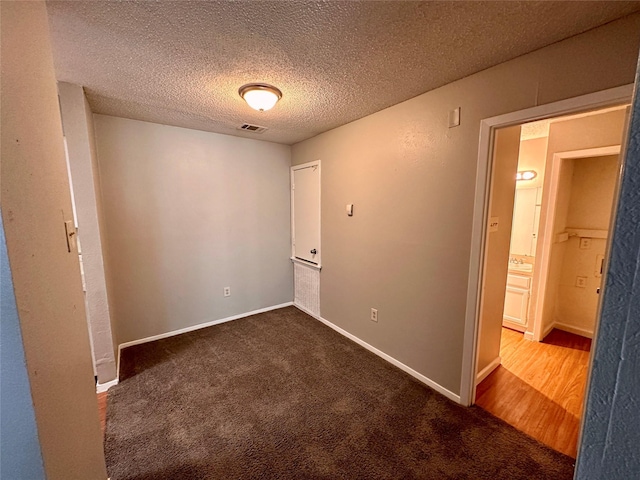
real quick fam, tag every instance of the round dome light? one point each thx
(260, 96)
(526, 175)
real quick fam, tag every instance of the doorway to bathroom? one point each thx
(551, 199)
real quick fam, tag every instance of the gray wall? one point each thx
(610, 436)
(20, 455)
(36, 201)
(411, 180)
(187, 213)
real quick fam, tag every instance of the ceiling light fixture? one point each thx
(260, 96)
(526, 175)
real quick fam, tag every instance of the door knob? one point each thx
(314, 251)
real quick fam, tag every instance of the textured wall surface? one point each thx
(20, 455)
(36, 201)
(412, 180)
(188, 213)
(181, 63)
(86, 188)
(610, 437)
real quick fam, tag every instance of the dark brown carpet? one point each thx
(279, 395)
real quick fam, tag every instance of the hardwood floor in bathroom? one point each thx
(539, 388)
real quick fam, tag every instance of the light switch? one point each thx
(454, 117)
(350, 209)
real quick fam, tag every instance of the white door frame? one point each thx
(293, 230)
(605, 98)
(546, 237)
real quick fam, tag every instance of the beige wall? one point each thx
(411, 180)
(592, 189)
(576, 134)
(187, 213)
(35, 201)
(78, 130)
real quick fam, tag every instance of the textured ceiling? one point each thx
(181, 63)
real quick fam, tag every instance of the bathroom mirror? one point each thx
(526, 218)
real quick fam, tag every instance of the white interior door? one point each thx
(306, 212)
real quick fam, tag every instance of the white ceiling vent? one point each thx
(252, 128)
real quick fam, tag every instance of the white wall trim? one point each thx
(486, 371)
(173, 333)
(610, 97)
(418, 376)
(103, 387)
(583, 332)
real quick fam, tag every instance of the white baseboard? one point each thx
(173, 333)
(486, 371)
(528, 336)
(103, 387)
(427, 381)
(583, 332)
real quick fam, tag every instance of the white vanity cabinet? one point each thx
(516, 302)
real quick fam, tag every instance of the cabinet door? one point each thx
(516, 305)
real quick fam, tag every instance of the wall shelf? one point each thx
(587, 233)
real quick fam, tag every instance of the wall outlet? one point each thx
(374, 315)
(227, 291)
(585, 242)
(581, 282)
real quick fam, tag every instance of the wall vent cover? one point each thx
(252, 128)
